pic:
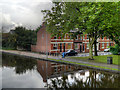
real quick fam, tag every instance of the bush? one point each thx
(115, 49)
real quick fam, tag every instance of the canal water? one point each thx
(24, 72)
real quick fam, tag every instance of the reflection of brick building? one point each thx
(54, 44)
(50, 69)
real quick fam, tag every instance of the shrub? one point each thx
(115, 49)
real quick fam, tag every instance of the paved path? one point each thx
(36, 55)
(87, 54)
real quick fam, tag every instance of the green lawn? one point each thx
(84, 64)
(102, 59)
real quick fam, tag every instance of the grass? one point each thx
(84, 64)
(7, 48)
(101, 59)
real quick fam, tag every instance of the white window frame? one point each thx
(55, 45)
(83, 37)
(70, 46)
(107, 45)
(80, 37)
(87, 45)
(103, 45)
(76, 44)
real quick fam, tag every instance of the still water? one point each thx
(22, 72)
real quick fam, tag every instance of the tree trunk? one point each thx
(90, 51)
(91, 42)
(95, 48)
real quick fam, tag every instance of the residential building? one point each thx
(46, 43)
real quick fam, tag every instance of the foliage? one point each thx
(25, 37)
(22, 38)
(115, 49)
(8, 41)
(92, 18)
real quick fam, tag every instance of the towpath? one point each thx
(39, 56)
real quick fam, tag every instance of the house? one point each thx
(46, 43)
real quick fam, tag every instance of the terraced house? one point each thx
(46, 43)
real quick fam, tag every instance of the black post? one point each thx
(109, 60)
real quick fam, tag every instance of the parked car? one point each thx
(70, 53)
(107, 50)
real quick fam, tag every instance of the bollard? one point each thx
(109, 60)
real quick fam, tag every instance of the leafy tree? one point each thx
(88, 17)
(115, 50)
(25, 37)
(8, 41)
(21, 37)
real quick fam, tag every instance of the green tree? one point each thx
(90, 18)
(25, 37)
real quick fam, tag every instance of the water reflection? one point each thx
(87, 79)
(21, 64)
(20, 72)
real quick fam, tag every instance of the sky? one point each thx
(25, 13)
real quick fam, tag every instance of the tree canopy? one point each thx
(21, 37)
(97, 19)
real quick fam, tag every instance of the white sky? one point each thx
(22, 12)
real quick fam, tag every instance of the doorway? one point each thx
(80, 47)
(64, 47)
(60, 47)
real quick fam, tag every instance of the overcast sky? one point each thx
(22, 12)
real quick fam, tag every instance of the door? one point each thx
(60, 47)
(64, 47)
(80, 48)
(83, 47)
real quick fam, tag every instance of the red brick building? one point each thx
(46, 43)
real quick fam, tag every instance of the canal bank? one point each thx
(59, 59)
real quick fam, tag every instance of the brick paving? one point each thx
(36, 55)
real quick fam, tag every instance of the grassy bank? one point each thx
(7, 48)
(94, 66)
(100, 59)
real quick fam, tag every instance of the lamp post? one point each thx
(46, 46)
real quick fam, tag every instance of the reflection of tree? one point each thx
(94, 80)
(21, 64)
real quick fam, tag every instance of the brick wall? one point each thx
(41, 44)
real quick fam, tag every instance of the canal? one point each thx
(24, 72)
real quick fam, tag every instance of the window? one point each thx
(55, 37)
(42, 35)
(87, 37)
(76, 45)
(102, 45)
(55, 46)
(102, 38)
(80, 37)
(87, 45)
(83, 37)
(65, 36)
(83, 47)
(69, 45)
(110, 44)
(77, 37)
(107, 38)
(55, 69)
(107, 45)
